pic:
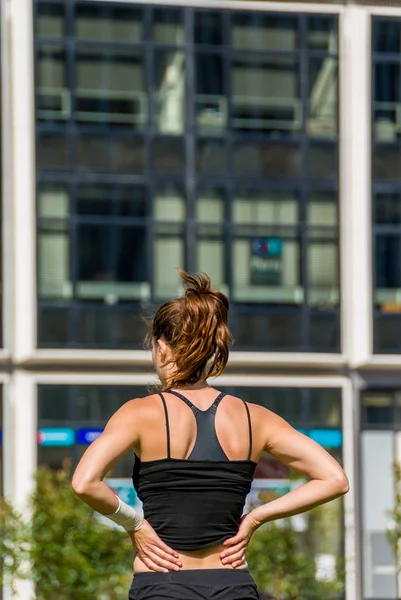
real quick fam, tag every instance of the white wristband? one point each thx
(126, 516)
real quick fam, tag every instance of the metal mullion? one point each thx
(190, 240)
(73, 255)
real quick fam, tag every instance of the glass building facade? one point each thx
(259, 143)
(180, 137)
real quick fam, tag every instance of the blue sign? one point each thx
(87, 436)
(1, 437)
(56, 436)
(328, 438)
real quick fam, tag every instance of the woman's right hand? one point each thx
(235, 547)
(153, 552)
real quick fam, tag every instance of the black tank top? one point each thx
(197, 502)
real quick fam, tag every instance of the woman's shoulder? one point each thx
(143, 407)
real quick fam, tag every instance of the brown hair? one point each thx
(195, 327)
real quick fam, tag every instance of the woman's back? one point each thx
(194, 485)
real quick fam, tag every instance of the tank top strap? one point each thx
(183, 398)
(167, 425)
(250, 429)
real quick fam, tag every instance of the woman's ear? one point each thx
(162, 347)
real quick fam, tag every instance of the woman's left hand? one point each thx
(235, 547)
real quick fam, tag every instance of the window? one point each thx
(386, 186)
(207, 143)
(381, 425)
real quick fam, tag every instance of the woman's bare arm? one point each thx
(119, 436)
(327, 481)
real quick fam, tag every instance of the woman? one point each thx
(196, 450)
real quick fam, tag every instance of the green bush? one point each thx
(282, 569)
(71, 553)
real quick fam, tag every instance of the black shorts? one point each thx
(200, 584)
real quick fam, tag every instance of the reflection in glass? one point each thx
(168, 155)
(209, 28)
(387, 209)
(322, 161)
(322, 33)
(278, 329)
(210, 258)
(54, 243)
(108, 23)
(388, 268)
(113, 200)
(265, 207)
(54, 326)
(322, 208)
(169, 94)
(210, 205)
(323, 102)
(386, 36)
(386, 101)
(52, 150)
(53, 101)
(106, 153)
(325, 329)
(211, 156)
(210, 101)
(378, 408)
(323, 272)
(261, 31)
(169, 204)
(50, 20)
(386, 162)
(169, 253)
(111, 262)
(266, 93)
(168, 26)
(108, 326)
(266, 159)
(110, 87)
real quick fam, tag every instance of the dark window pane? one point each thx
(266, 159)
(387, 209)
(387, 35)
(209, 28)
(210, 100)
(110, 154)
(322, 33)
(169, 156)
(50, 20)
(54, 404)
(211, 156)
(261, 31)
(52, 151)
(386, 97)
(168, 26)
(54, 457)
(378, 408)
(110, 328)
(111, 263)
(388, 334)
(322, 161)
(107, 23)
(386, 162)
(112, 200)
(281, 331)
(325, 331)
(96, 404)
(54, 326)
(388, 261)
(324, 407)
